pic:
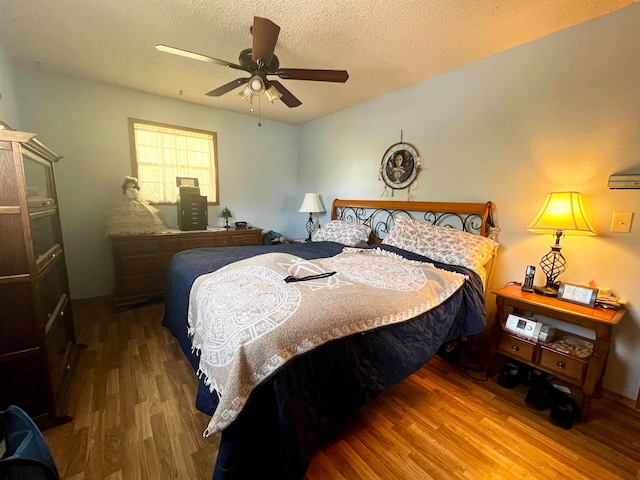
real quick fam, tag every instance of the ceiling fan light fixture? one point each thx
(260, 61)
(273, 94)
(256, 85)
(246, 93)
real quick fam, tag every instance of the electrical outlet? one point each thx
(621, 222)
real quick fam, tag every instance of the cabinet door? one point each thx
(45, 233)
(17, 319)
(53, 290)
(58, 343)
(39, 181)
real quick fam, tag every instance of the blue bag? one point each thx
(24, 454)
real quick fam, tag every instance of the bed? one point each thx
(307, 396)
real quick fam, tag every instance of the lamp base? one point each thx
(310, 227)
(547, 291)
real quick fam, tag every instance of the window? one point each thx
(160, 153)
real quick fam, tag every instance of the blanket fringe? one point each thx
(210, 382)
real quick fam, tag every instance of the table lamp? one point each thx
(311, 204)
(226, 214)
(562, 214)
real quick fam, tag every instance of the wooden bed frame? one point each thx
(474, 218)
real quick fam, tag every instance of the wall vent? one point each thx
(624, 181)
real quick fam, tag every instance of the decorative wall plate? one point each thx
(400, 166)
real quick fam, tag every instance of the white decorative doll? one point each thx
(134, 216)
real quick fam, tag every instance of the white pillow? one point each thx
(442, 244)
(350, 234)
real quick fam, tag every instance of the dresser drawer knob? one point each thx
(561, 365)
(515, 348)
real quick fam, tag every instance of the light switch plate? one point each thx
(621, 222)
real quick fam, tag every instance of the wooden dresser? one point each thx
(141, 262)
(38, 350)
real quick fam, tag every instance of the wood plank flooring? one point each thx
(133, 402)
(134, 418)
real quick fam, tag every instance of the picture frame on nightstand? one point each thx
(579, 294)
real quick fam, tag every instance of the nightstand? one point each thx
(583, 371)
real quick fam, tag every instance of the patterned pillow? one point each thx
(350, 234)
(442, 244)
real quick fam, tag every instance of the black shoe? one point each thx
(511, 375)
(530, 374)
(541, 394)
(564, 412)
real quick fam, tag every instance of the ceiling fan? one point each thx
(260, 61)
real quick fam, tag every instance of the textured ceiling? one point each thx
(385, 45)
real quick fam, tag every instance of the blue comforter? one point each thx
(308, 399)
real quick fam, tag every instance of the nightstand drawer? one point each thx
(563, 365)
(516, 348)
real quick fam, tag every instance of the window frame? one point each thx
(134, 157)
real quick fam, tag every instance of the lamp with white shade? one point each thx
(311, 204)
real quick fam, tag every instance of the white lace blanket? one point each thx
(246, 321)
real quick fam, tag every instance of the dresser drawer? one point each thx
(516, 348)
(245, 239)
(131, 247)
(146, 264)
(206, 241)
(152, 284)
(563, 365)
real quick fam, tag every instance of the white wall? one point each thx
(86, 123)
(560, 113)
(8, 105)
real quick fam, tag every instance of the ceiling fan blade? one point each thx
(287, 97)
(265, 37)
(339, 76)
(227, 87)
(197, 56)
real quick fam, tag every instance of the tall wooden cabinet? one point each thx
(38, 350)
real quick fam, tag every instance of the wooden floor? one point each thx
(134, 418)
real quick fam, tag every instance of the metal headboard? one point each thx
(474, 218)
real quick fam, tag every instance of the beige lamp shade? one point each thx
(562, 211)
(311, 204)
